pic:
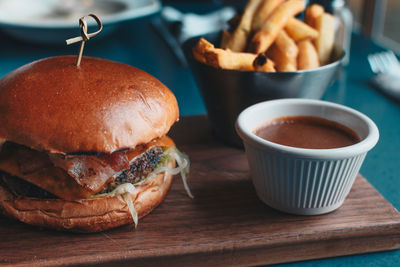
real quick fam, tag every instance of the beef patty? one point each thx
(139, 168)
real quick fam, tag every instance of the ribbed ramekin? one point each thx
(298, 180)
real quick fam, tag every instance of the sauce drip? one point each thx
(307, 132)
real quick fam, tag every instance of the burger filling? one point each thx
(138, 170)
(29, 172)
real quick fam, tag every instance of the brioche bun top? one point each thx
(101, 106)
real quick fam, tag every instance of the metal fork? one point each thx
(384, 62)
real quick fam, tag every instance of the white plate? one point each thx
(54, 21)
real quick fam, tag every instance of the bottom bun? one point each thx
(86, 215)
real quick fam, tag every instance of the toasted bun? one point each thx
(88, 215)
(101, 106)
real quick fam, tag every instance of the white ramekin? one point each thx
(298, 180)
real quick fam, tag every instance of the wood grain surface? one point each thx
(225, 224)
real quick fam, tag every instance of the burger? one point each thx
(85, 148)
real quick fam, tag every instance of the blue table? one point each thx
(137, 44)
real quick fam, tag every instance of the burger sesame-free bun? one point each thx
(87, 215)
(101, 106)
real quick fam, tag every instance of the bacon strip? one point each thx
(92, 172)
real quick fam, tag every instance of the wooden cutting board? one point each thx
(225, 224)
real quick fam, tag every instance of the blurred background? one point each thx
(378, 19)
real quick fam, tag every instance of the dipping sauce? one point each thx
(307, 132)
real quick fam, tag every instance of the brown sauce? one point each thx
(307, 132)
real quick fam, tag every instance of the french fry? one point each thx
(298, 30)
(263, 64)
(286, 45)
(324, 24)
(312, 13)
(230, 60)
(282, 63)
(205, 52)
(282, 42)
(263, 39)
(264, 10)
(238, 40)
(308, 57)
(200, 49)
